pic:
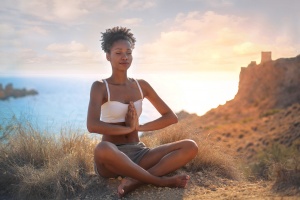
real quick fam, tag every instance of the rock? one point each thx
(9, 91)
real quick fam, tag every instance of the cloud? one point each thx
(140, 4)
(7, 31)
(246, 48)
(65, 48)
(73, 53)
(53, 10)
(33, 30)
(67, 11)
(211, 41)
(131, 21)
(59, 56)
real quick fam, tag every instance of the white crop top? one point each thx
(115, 111)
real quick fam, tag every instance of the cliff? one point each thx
(265, 111)
(272, 84)
(9, 91)
(266, 86)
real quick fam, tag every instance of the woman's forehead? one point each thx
(121, 44)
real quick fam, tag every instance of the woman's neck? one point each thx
(119, 78)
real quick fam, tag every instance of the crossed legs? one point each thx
(155, 164)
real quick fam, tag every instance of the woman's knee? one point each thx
(104, 149)
(191, 145)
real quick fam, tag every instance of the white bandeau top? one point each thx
(115, 111)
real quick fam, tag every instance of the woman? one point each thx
(114, 108)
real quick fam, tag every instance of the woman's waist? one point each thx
(122, 139)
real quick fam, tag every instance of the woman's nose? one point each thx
(124, 57)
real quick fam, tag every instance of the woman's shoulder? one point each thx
(98, 85)
(142, 82)
(146, 87)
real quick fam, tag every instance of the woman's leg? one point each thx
(111, 162)
(169, 157)
(163, 160)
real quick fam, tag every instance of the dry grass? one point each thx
(37, 165)
(211, 158)
(167, 135)
(280, 164)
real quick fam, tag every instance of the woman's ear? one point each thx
(107, 56)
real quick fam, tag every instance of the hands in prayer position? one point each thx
(131, 118)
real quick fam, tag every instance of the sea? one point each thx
(62, 101)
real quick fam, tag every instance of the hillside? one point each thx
(265, 110)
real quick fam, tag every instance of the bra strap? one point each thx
(139, 88)
(107, 89)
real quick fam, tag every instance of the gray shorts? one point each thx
(135, 151)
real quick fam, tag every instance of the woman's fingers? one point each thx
(131, 117)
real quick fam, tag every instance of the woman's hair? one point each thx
(114, 34)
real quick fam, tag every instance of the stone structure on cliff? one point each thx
(9, 91)
(266, 56)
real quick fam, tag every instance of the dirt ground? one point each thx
(200, 187)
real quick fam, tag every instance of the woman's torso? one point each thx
(121, 139)
(115, 105)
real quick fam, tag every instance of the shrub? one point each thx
(269, 113)
(276, 161)
(36, 165)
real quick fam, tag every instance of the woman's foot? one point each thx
(179, 181)
(128, 184)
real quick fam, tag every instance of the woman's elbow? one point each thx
(90, 127)
(174, 119)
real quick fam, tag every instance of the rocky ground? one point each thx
(201, 186)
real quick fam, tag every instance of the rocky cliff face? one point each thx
(263, 87)
(269, 85)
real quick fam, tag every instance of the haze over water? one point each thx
(62, 101)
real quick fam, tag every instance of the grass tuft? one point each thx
(280, 164)
(210, 157)
(38, 165)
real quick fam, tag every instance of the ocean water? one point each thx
(62, 101)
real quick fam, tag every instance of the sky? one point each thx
(63, 37)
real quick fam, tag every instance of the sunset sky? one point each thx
(55, 36)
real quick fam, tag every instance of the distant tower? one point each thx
(265, 56)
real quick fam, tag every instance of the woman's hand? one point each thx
(131, 118)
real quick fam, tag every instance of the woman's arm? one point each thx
(94, 125)
(167, 118)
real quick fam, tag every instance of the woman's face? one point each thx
(120, 55)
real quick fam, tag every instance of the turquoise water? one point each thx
(62, 101)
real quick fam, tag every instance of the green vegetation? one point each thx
(269, 113)
(280, 164)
